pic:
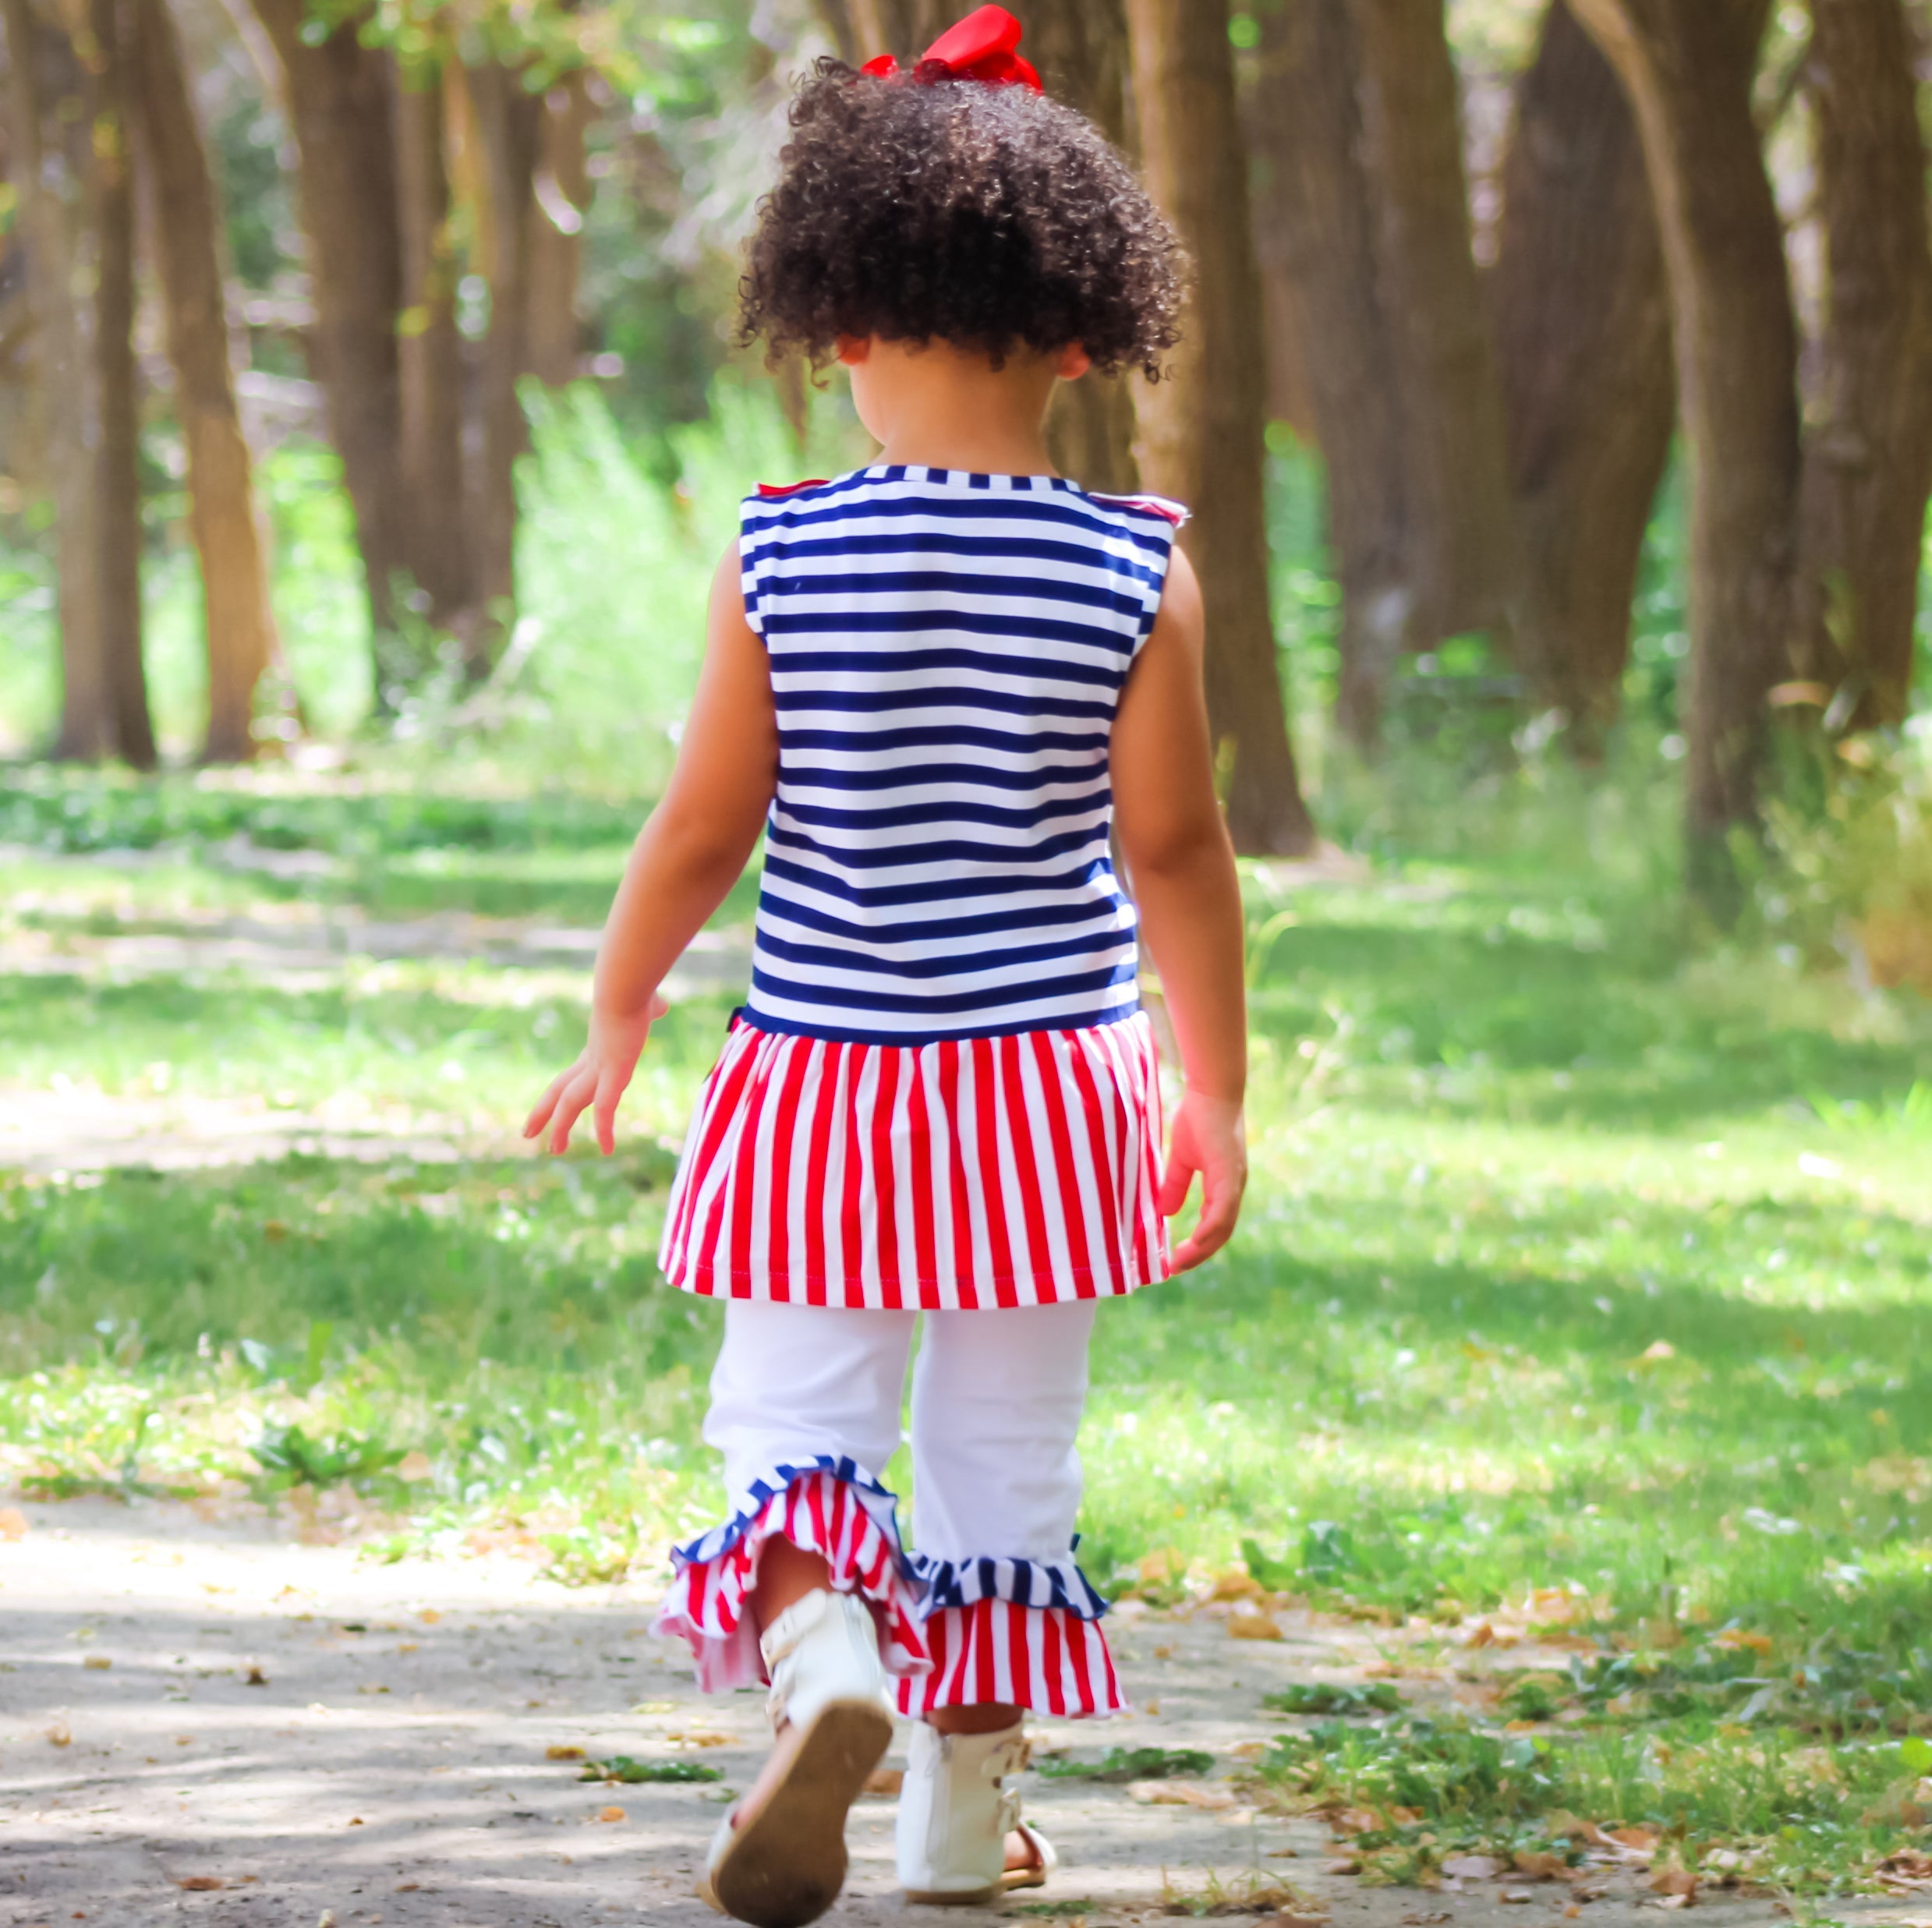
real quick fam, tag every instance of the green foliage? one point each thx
(622, 1768)
(1373, 1696)
(1123, 1764)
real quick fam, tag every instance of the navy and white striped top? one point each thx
(946, 653)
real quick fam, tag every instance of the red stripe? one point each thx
(1026, 1170)
(886, 1215)
(743, 1190)
(778, 1233)
(965, 1261)
(703, 1126)
(1073, 1204)
(1077, 1648)
(850, 1223)
(1051, 1662)
(985, 1101)
(1106, 1178)
(925, 1253)
(722, 1112)
(816, 1173)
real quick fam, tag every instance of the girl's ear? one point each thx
(855, 348)
(1075, 361)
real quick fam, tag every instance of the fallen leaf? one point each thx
(184, 1740)
(885, 1781)
(1254, 1626)
(1542, 1866)
(1672, 1901)
(97, 1662)
(12, 1524)
(255, 1677)
(1736, 1637)
(1153, 1707)
(696, 1739)
(201, 1883)
(413, 1466)
(1178, 1794)
(1674, 1881)
(428, 1616)
(1481, 1635)
(1472, 1867)
(1515, 1896)
(1641, 1841)
(609, 1814)
(355, 1821)
(1163, 1653)
(563, 1753)
(1346, 1864)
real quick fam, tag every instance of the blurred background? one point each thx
(1556, 406)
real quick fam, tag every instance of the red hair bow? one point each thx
(983, 46)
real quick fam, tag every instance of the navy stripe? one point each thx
(952, 850)
(934, 930)
(913, 775)
(946, 1004)
(889, 897)
(954, 963)
(967, 749)
(904, 815)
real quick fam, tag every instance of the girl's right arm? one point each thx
(1180, 867)
(689, 854)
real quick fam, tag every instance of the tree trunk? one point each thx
(1201, 434)
(1868, 441)
(1583, 326)
(228, 535)
(341, 108)
(563, 199)
(431, 358)
(1689, 71)
(506, 122)
(1321, 213)
(52, 143)
(117, 458)
(1462, 552)
(1081, 49)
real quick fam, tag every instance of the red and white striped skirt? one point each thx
(986, 1171)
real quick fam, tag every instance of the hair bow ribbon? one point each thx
(983, 46)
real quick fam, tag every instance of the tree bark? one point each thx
(51, 141)
(1081, 49)
(1201, 434)
(430, 358)
(1689, 71)
(340, 109)
(117, 458)
(228, 535)
(1868, 441)
(1320, 209)
(1583, 327)
(1462, 566)
(506, 122)
(563, 199)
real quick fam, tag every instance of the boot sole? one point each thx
(786, 1867)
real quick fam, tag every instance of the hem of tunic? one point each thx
(1019, 1293)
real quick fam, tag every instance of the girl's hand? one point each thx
(597, 1080)
(1208, 1137)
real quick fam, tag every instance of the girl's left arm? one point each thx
(692, 851)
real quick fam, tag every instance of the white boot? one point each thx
(955, 1814)
(785, 1867)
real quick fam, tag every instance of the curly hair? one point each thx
(987, 216)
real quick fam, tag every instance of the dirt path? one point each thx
(389, 1764)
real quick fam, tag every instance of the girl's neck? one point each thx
(939, 407)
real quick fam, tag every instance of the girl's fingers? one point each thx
(1221, 1189)
(610, 1089)
(581, 1089)
(540, 1112)
(1177, 1175)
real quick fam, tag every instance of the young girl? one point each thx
(937, 685)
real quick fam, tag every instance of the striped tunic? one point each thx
(946, 651)
(941, 1090)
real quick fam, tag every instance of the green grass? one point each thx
(1585, 1283)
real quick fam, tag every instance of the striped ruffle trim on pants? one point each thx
(1016, 1170)
(1008, 1633)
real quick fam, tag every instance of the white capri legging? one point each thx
(996, 1402)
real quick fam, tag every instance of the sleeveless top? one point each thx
(947, 652)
